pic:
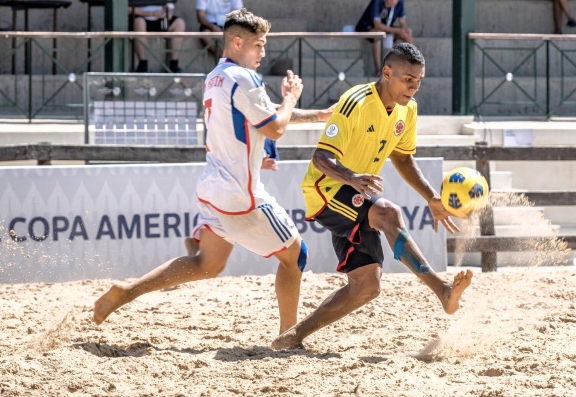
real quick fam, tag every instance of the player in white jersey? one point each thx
(234, 206)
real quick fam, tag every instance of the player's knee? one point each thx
(368, 292)
(387, 216)
(303, 256)
(210, 270)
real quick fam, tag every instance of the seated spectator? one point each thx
(379, 16)
(157, 19)
(211, 15)
(562, 7)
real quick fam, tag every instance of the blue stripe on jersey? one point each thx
(280, 228)
(266, 121)
(255, 78)
(238, 118)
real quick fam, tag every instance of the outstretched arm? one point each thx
(311, 115)
(410, 171)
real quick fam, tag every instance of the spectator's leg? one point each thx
(176, 44)
(566, 8)
(405, 36)
(211, 42)
(557, 16)
(140, 44)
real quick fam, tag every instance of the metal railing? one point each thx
(39, 80)
(523, 75)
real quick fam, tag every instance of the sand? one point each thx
(514, 337)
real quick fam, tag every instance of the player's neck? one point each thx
(385, 97)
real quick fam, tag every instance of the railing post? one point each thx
(548, 79)
(489, 259)
(116, 20)
(463, 22)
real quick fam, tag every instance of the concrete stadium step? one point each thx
(444, 125)
(514, 229)
(545, 133)
(445, 140)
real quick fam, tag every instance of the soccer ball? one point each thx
(464, 190)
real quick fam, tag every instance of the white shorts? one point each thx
(266, 230)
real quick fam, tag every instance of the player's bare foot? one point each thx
(452, 301)
(287, 341)
(192, 246)
(110, 301)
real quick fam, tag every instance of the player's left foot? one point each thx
(110, 301)
(461, 281)
(287, 341)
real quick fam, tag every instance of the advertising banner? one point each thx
(64, 223)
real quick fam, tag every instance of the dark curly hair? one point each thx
(406, 52)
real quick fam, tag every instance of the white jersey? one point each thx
(235, 106)
(216, 10)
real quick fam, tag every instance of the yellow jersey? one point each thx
(361, 135)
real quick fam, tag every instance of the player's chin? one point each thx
(404, 100)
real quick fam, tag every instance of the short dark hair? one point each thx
(405, 52)
(247, 21)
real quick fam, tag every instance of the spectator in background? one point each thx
(211, 15)
(156, 19)
(379, 16)
(562, 7)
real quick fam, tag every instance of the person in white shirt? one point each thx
(211, 15)
(156, 19)
(233, 203)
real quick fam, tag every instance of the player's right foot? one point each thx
(107, 303)
(461, 281)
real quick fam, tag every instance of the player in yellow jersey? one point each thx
(371, 122)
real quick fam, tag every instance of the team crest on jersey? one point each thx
(399, 127)
(357, 200)
(332, 130)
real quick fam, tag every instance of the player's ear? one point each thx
(387, 72)
(237, 41)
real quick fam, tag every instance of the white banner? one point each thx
(63, 223)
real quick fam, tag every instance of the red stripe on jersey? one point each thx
(333, 147)
(317, 186)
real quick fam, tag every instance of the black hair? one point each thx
(405, 52)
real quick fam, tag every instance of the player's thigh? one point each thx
(295, 254)
(384, 215)
(214, 250)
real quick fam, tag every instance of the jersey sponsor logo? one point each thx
(331, 130)
(371, 128)
(357, 200)
(399, 127)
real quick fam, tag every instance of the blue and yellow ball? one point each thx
(464, 190)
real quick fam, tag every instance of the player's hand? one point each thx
(441, 215)
(367, 183)
(292, 84)
(269, 163)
